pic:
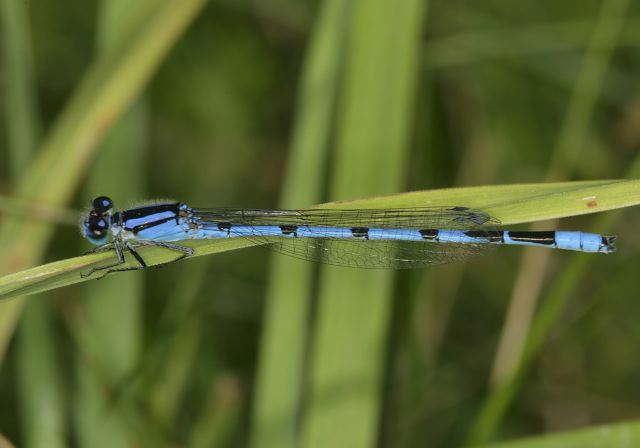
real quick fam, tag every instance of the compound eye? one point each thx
(101, 204)
(96, 229)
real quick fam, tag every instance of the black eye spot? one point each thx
(96, 227)
(101, 204)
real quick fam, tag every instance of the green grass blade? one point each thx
(485, 45)
(621, 435)
(347, 365)
(19, 94)
(279, 381)
(512, 204)
(518, 203)
(118, 299)
(41, 405)
(71, 271)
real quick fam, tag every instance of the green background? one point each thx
(282, 103)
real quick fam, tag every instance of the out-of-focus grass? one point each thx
(219, 418)
(22, 121)
(281, 369)
(464, 49)
(622, 435)
(553, 302)
(51, 215)
(347, 358)
(494, 84)
(117, 300)
(569, 148)
(40, 394)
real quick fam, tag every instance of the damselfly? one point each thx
(367, 238)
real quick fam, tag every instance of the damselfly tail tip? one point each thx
(608, 244)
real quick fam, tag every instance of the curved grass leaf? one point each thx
(511, 204)
(620, 435)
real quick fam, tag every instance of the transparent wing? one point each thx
(405, 218)
(377, 254)
(361, 252)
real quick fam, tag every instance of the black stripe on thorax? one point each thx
(141, 212)
(150, 224)
(544, 237)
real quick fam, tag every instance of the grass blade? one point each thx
(280, 377)
(348, 348)
(117, 299)
(40, 394)
(621, 435)
(511, 204)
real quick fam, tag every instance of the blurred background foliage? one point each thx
(285, 103)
